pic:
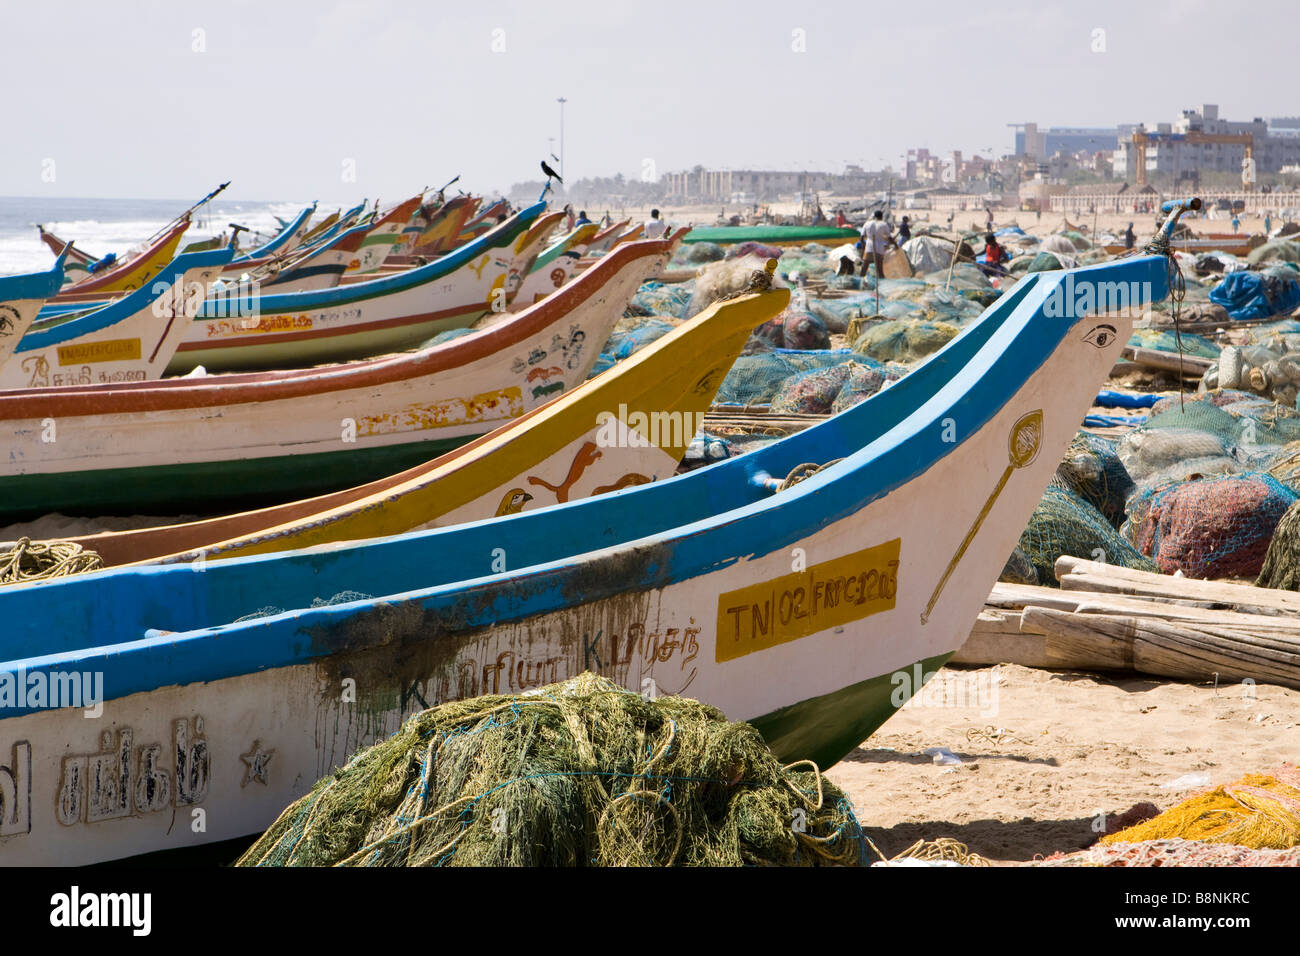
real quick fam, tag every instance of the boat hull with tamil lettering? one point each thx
(129, 340)
(813, 611)
(183, 446)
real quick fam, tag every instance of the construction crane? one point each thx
(1142, 139)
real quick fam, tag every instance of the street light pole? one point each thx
(561, 100)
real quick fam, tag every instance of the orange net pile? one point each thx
(1259, 811)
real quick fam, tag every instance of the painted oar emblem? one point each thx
(1022, 448)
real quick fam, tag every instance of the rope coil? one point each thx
(26, 560)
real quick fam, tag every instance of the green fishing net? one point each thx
(581, 773)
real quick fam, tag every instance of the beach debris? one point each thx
(1188, 781)
(577, 773)
(945, 851)
(943, 756)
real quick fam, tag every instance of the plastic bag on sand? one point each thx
(1210, 527)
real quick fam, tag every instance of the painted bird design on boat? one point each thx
(513, 502)
(584, 459)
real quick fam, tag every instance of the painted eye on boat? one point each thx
(1101, 336)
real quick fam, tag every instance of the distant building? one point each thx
(762, 185)
(1066, 140)
(1195, 143)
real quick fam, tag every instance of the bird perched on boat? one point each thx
(550, 173)
(513, 502)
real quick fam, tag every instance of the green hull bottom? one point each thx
(826, 729)
(209, 487)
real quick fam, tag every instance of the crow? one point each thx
(550, 173)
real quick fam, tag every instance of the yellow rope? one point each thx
(27, 560)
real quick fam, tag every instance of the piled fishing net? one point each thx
(26, 560)
(1209, 527)
(1092, 469)
(1175, 852)
(1281, 568)
(1019, 569)
(662, 298)
(754, 379)
(1275, 250)
(720, 279)
(1065, 524)
(863, 381)
(699, 252)
(574, 774)
(802, 329)
(1164, 340)
(903, 340)
(1285, 466)
(965, 275)
(751, 248)
(927, 254)
(816, 392)
(630, 335)
(1256, 368)
(1259, 811)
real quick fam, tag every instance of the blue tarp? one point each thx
(1249, 295)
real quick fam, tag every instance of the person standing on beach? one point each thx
(875, 240)
(1236, 222)
(569, 217)
(904, 231)
(656, 227)
(988, 219)
(1130, 237)
(1268, 224)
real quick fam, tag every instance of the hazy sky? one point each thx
(287, 98)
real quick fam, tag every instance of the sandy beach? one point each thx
(1049, 752)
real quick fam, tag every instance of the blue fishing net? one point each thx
(755, 379)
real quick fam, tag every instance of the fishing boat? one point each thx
(76, 263)
(245, 330)
(440, 228)
(129, 340)
(136, 271)
(556, 453)
(384, 236)
(202, 444)
(774, 235)
(554, 267)
(318, 267)
(21, 298)
(604, 240)
(811, 608)
(288, 239)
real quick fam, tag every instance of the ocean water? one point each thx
(101, 226)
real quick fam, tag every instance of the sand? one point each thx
(1073, 746)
